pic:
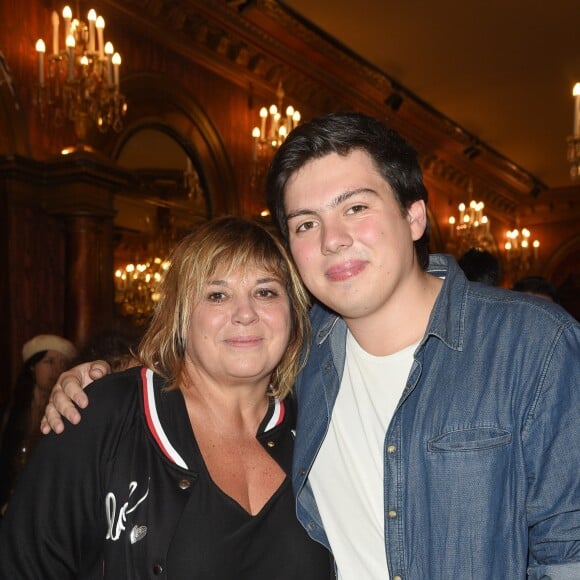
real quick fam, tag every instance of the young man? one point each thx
(438, 420)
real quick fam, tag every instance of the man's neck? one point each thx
(402, 321)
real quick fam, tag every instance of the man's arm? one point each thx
(552, 456)
(68, 392)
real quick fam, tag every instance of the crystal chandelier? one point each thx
(521, 252)
(275, 124)
(574, 140)
(79, 80)
(137, 288)
(470, 229)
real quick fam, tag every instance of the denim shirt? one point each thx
(482, 456)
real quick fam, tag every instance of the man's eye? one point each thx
(304, 226)
(357, 208)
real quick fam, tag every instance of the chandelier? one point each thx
(275, 124)
(137, 288)
(470, 229)
(79, 80)
(574, 140)
(521, 252)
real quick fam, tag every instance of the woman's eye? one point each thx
(216, 296)
(267, 293)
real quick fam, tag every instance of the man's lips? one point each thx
(345, 270)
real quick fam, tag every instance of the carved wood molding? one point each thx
(260, 43)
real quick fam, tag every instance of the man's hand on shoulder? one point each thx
(68, 393)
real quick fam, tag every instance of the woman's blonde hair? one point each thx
(232, 243)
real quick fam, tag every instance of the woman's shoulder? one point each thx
(115, 392)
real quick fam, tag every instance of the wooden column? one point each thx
(81, 195)
(89, 286)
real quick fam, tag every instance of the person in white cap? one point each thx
(44, 357)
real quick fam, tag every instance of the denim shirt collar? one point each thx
(446, 323)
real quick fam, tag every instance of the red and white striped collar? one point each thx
(274, 417)
(153, 422)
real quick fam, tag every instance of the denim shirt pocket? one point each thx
(474, 439)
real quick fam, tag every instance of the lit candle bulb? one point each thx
(263, 117)
(67, 15)
(109, 50)
(485, 222)
(70, 46)
(92, 18)
(55, 25)
(289, 113)
(273, 126)
(576, 94)
(116, 64)
(40, 49)
(256, 136)
(452, 226)
(100, 24)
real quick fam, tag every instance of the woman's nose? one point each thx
(244, 312)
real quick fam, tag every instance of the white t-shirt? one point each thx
(347, 475)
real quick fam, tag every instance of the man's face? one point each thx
(352, 244)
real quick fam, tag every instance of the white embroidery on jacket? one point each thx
(137, 533)
(115, 529)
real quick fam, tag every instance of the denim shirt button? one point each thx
(397, 578)
(392, 514)
(392, 449)
(302, 471)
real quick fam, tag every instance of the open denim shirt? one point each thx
(482, 456)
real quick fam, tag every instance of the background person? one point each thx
(44, 357)
(182, 471)
(537, 286)
(481, 266)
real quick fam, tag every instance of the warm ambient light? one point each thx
(470, 229)
(137, 288)
(274, 126)
(521, 252)
(79, 79)
(574, 139)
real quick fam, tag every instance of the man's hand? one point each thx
(68, 391)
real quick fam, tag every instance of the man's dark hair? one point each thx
(342, 133)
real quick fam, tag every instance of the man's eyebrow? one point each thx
(341, 198)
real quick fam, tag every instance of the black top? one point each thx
(125, 495)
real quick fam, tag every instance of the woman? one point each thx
(44, 357)
(181, 465)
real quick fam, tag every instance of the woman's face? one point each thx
(240, 329)
(48, 368)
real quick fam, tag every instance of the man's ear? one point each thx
(417, 216)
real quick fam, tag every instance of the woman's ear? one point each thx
(417, 216)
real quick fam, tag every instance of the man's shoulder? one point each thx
(519, 304)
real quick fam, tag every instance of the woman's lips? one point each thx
(345, 270)
(243, 341)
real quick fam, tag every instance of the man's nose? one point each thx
(335, 238)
